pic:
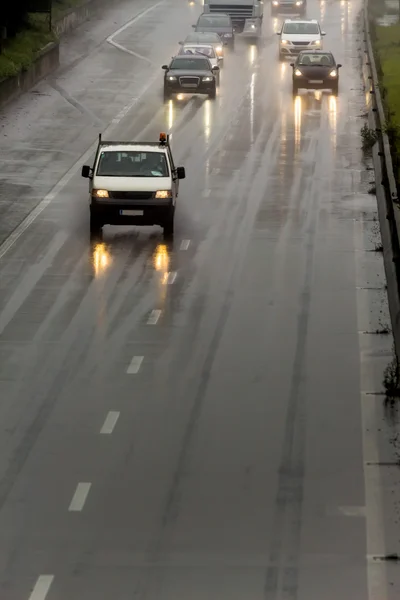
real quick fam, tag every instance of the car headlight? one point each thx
(298, 73)
(317, 42)
(218, 49)
(333, 73)
(208, 78)
(227, 35)
(171, 78)
(299, 3)
(100, 193)
(284, 42)
(275, 2)
(163, 194)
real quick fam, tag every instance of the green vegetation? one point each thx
(19, 52)
(386, 42)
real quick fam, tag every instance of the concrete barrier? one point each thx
(45, 63)
(75, 16)
(385, 183)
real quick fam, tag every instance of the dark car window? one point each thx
(132, 163)
(204, 50)
(191, 64)
(319, 60)
(300, 28)
(221, 21)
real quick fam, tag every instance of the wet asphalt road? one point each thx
(196, 419)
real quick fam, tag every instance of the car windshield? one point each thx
(301, 28)
(202, 50)
(221, 21)
(132, 163)
(190, 64)
(318, 60)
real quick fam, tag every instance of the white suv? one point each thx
(297, 35)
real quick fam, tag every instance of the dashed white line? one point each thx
(42, 587)
(184, 244)
(135, 365)
(171, 276)
(110, 422)
(79, 498)
(153, 317)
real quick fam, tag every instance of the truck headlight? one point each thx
(333, 73)
(164, 194)
(100, 193)
(171, 78)
(298, 73)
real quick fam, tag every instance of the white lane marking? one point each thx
(42, 587)
(206, 193)
(135, 365)
(184, 244)
(347, 511)
(79, 498)
(111, 41)
(153, 317)
(171, 276)
(110, 422)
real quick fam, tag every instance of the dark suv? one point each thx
(219, 23)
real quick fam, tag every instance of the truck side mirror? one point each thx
(180, 172)
(86, 171)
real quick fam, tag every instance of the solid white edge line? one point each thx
(42, 587)
(135, 365)
(79, 498)
(110, 422)
(33, 215)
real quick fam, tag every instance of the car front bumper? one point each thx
(131, 212)
(295, 50)
(177, 88)
(316, 84)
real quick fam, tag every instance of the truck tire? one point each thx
(168, 227)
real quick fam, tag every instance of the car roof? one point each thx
(214, 14)
(316, 52)
(300, 21)
(194, 56)
(201, 44)
(126, 147)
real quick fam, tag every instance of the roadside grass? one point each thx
(386, 41)
(20, 52)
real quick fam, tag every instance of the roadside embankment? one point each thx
(34, 52)
(381, 70)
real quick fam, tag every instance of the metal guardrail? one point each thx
(386, 188)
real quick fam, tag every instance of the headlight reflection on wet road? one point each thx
(297, 122)
(333, 118)
(207, 119)
(101, 259)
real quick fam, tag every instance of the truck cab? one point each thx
(246, 15)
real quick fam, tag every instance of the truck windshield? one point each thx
(301, 28)
(222, 21)
(132, 163)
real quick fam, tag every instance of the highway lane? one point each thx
(195, 418)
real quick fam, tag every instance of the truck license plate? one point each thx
(131, 213)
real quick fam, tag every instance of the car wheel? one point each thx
(335, 89)
(280, 56)
(168, 228)
(213, 93)
(167, 94)
(295, 90)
